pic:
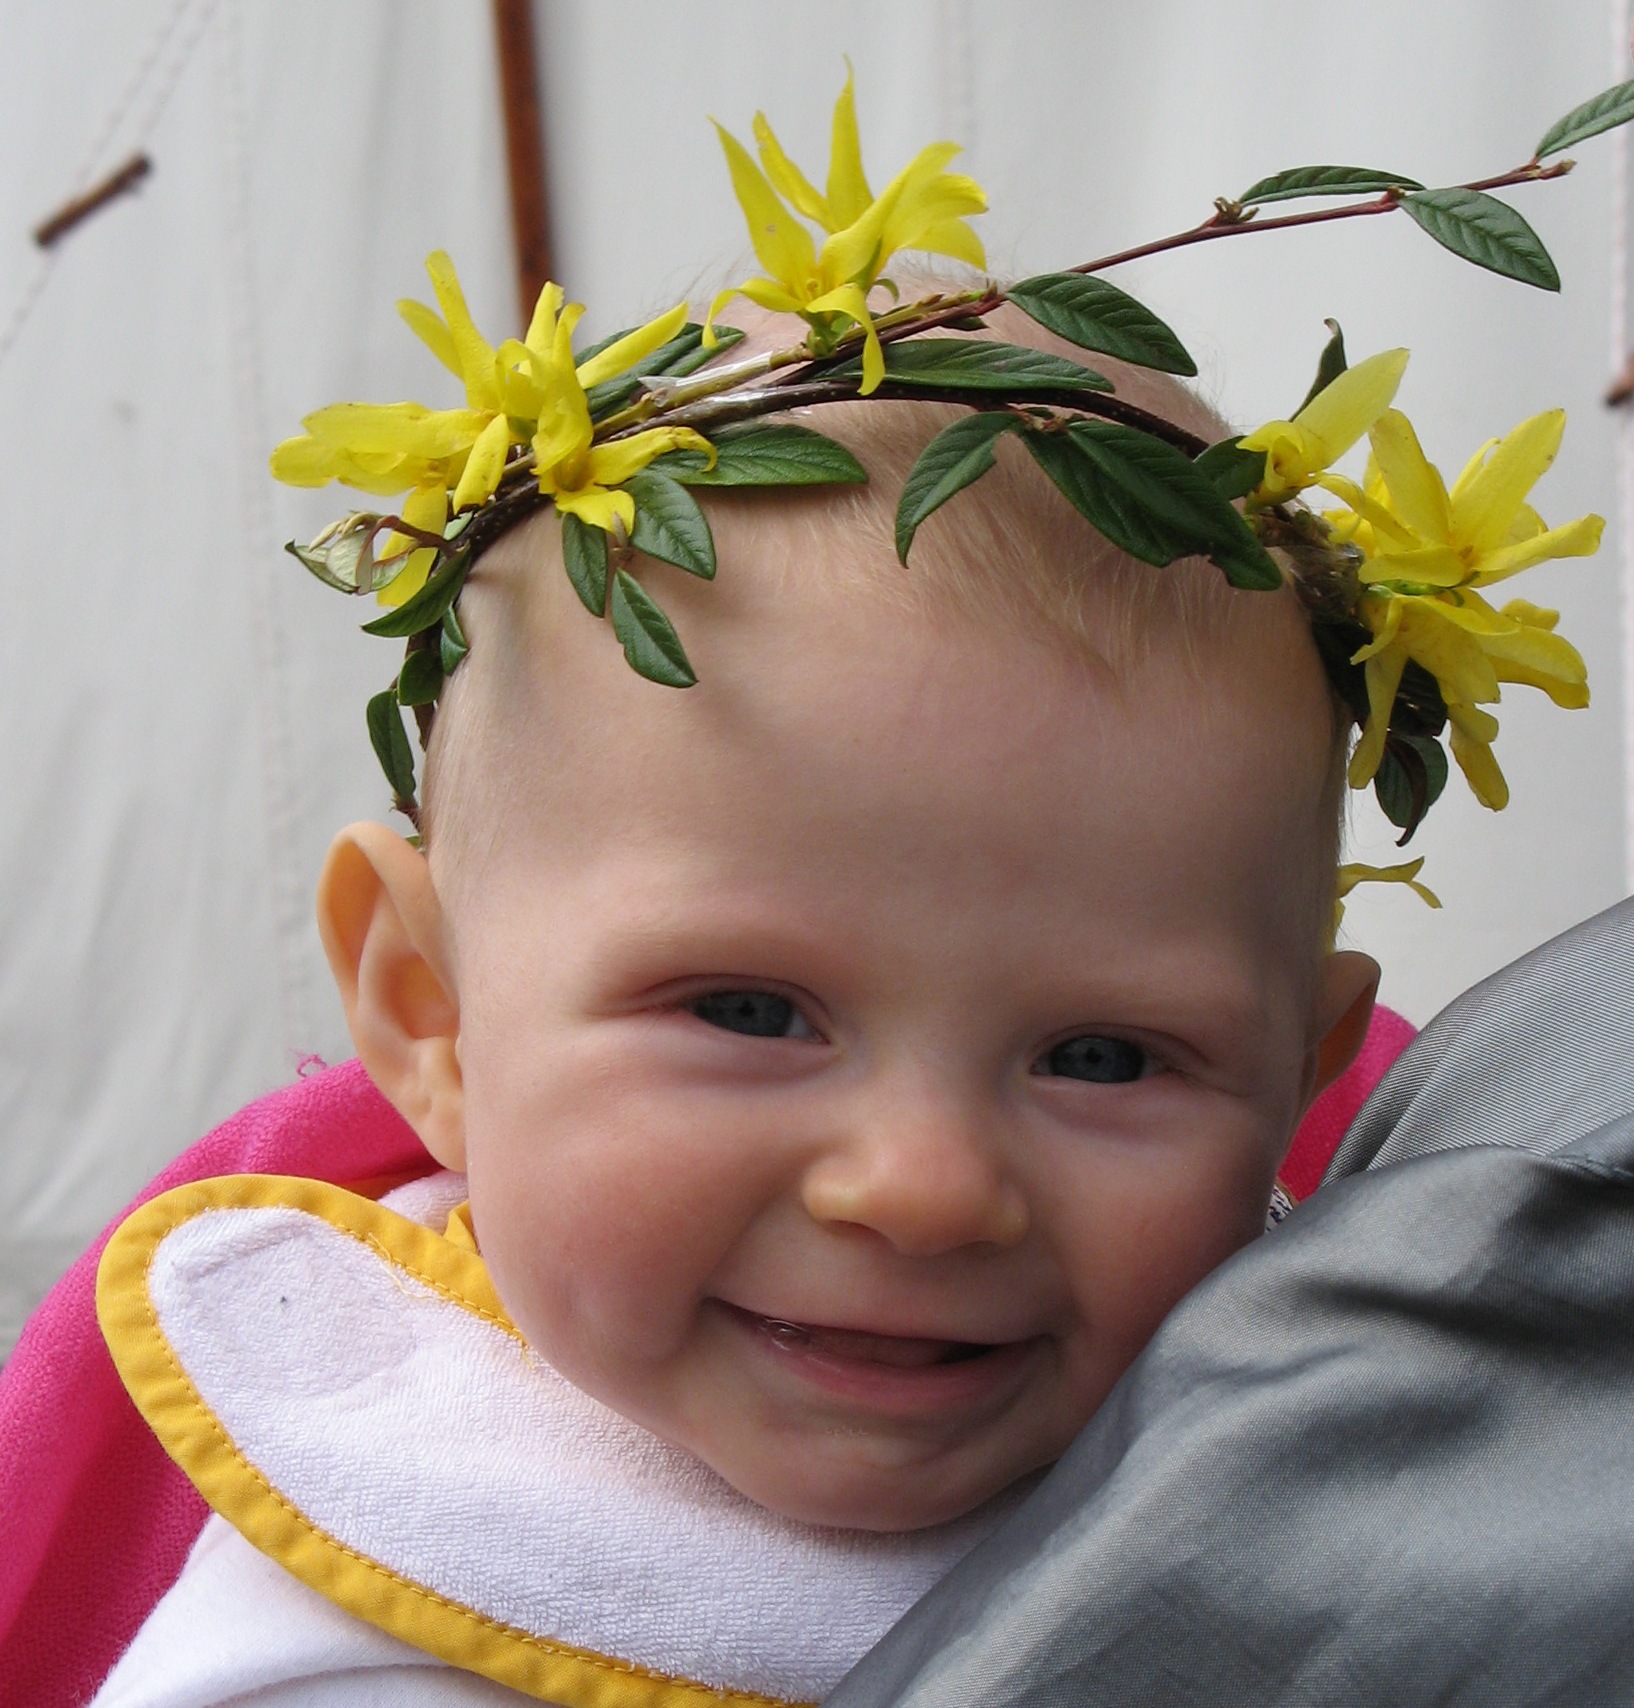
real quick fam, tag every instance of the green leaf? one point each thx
(669, 525)
(1605, 112)
(580, 357)
(1331, 364)
(1233, 471)
(1150, 474)
(966, 364)
(651, 645)
(1486, 231)
(1324, 181)
(1131, 527)
(391, 744)
(1411, 775)
(420, 680)
(957, 455)
(689, 361)
(684, 354)
(1148, 500)
(584, 553)
(752, 455)
(341, 564)
(343, 556)
(315, 560)
(425, 610)
(1244, 562)
(452, 646)
(1337, 640)
(1098, 316)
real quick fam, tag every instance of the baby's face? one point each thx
(863, 1051)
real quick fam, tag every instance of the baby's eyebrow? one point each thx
(652, 947)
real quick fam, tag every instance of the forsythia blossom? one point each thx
(1427, 552)
(1353, 872)
(528, 391)
(1299, 453)
(923, 207)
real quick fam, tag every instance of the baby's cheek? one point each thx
(585, 1262)
(1136, 1252)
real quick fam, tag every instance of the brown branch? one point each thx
(964, 308)
(396, 525)
(119, 182)
(774, 398)
(1229, 221)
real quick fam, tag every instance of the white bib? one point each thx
(343, 1386)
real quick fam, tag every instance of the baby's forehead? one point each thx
(1005, 558)
(806, 576)
(811, 608)
(881, 778)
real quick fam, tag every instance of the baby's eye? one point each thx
(1106, 1061)
(754, 1013)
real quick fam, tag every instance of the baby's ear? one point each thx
(382, 928)
(1349, 982)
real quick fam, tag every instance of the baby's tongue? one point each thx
(901, 1351)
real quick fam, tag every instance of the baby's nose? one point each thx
(927, 1178)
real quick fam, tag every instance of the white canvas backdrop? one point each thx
(183, 709)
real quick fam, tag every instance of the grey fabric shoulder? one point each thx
(1532, 1058)
(1384, 1455)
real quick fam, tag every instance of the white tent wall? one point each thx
(184, 708)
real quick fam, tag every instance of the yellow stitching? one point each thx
(214, 1425)
(442, 1288)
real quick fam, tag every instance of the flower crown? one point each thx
(616, 436)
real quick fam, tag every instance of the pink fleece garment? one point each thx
(99, 1521)
(1329, 1117)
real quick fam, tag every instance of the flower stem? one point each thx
(1230, 219)
(764, 400)
(792, 377)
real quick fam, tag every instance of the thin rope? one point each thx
(97, 154)
(275, 740)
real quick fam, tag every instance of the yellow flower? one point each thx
(580, 477)
(385, 449)
(1427, 552)
(1354, 873)
(1299, 453)
(923, 207)
(449, 460)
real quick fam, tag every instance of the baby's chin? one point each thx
(837, 1490)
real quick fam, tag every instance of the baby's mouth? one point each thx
(897, 1379)
(858, 1346)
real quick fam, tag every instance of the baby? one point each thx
(855, 1057)
(851, 1059)
(837, 1070)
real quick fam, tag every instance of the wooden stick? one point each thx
(117, 183)
(524, 149)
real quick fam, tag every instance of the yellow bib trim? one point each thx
(196, 1439)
